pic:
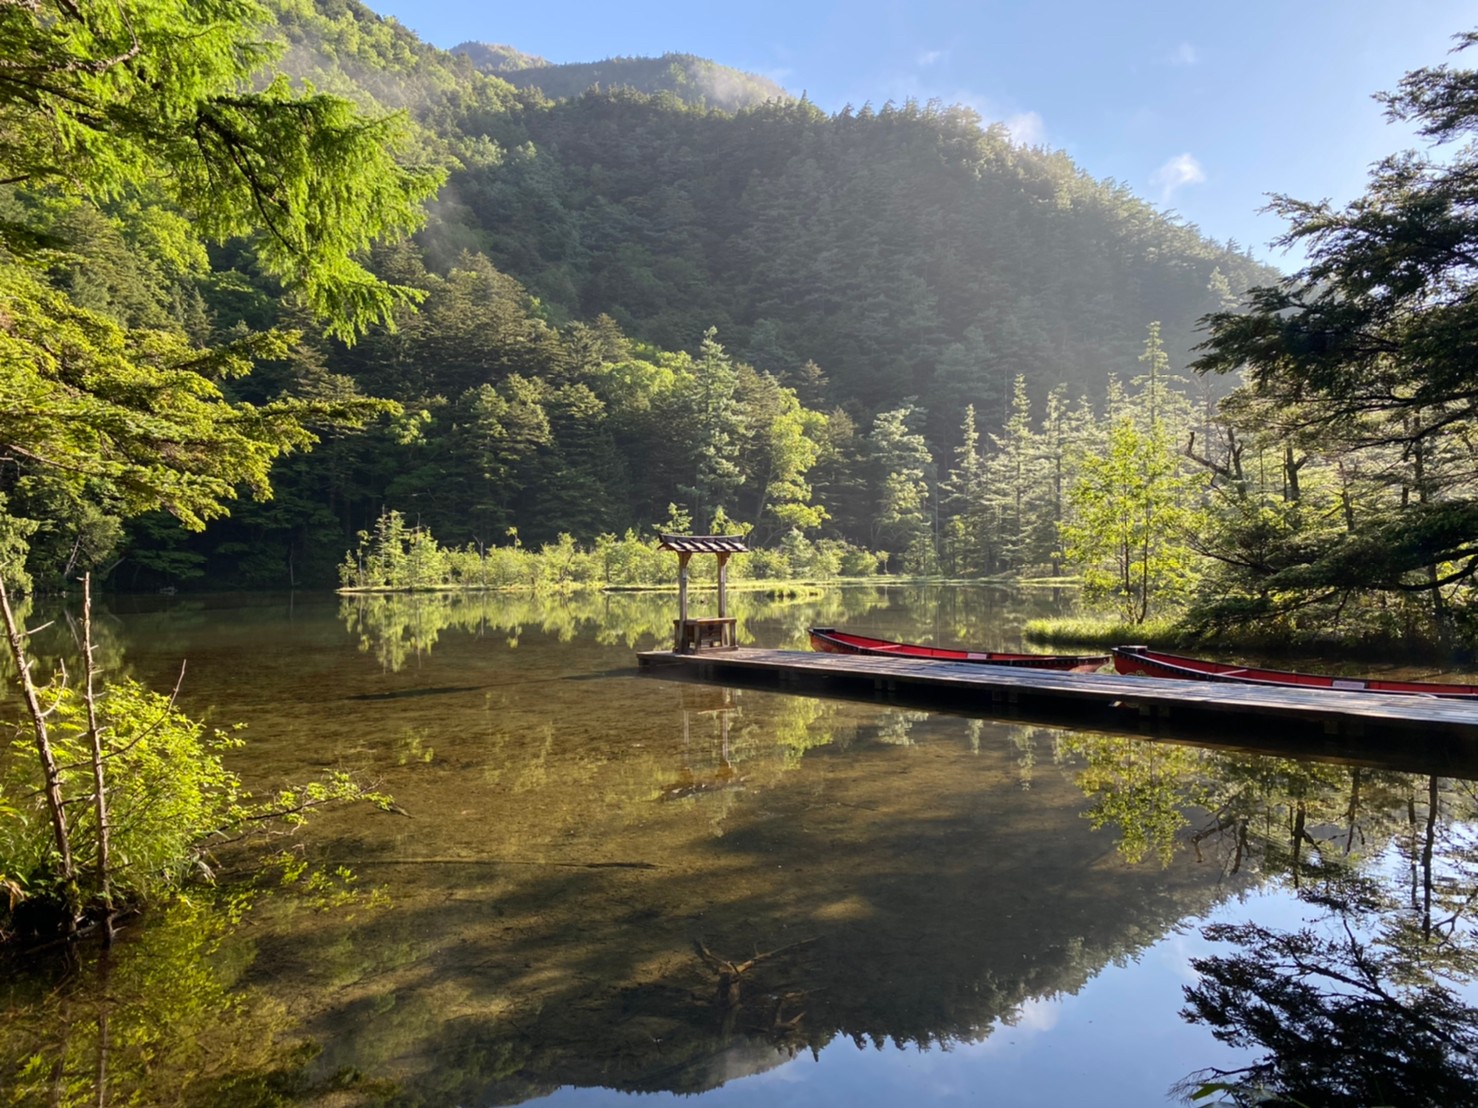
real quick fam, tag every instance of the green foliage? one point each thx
(170, 792)
(870, 243)
(1005, 503)
(397, 558)
(106, 100)
(1131, 525)
(1016, 484)
(1358, 400)
(713, 413)
(968, 539)
(14, 533)
(130, 136)
(900, 464)
(1101, 630)
(170, 799)
(1135, 508)
(140, 413)
(112, 798)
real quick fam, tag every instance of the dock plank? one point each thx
(1327, 711)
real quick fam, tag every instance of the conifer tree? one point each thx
(1361, 363)
(1016, 482)
(969, 532)
(901, 464)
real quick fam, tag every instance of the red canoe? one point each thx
(1139, 660)
(832, 641)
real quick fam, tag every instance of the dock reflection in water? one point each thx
(651, 886)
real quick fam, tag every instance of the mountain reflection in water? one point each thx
(649, 886)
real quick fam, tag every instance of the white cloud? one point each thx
(1179, 171)
(1185, 54)
(1026, 129)
(1039, 1014)
(929, 57)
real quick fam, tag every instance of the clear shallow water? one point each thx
(936, 908)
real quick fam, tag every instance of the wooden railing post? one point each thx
(682, 602)
(723, 580)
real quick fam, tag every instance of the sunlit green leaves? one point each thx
(83, 399)
(105, 100)
(169, 791)
(1133, 514)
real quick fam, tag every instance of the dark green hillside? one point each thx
(691, 80)
(906, 251)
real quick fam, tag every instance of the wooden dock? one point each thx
(1106, 701)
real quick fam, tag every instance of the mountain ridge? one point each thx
(695, 81)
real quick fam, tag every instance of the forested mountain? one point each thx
(694, 81)
(905, 251)
(627, 303)
(492, 57)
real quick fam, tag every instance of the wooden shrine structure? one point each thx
(690, 636)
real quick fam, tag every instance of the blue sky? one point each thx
(1200, 108)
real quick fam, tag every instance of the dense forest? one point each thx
(692, 80)
(887, 329)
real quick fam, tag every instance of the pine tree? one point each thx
(901, 464)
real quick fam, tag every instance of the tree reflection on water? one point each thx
(160, 1018)
(396, 627)
(1362, 1005)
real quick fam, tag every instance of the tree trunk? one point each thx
(1291, 491)
(99, 781)
(1428, 843)
(50, 773)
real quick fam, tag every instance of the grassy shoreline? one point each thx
(755, 584)
(764, 585)
(1105, 631)
(1101, 631)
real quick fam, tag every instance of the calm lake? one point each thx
(600, 883)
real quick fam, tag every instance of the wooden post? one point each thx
(682, 587)
(679, 634)
(723, 580)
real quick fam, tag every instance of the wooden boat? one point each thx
(1140, 660)
(832, 641)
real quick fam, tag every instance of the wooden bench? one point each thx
(689, 636)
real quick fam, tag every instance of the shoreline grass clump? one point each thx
(397, 557)
(1103, 631)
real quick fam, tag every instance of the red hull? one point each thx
(1153, 663)
(841, 642)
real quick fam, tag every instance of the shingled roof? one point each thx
(704, 544)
